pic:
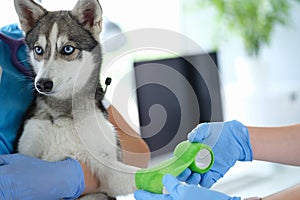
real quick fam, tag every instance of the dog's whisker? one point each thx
(28, 85)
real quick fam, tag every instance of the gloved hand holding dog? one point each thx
(25, 177)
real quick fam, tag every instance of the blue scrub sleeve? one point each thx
(16, 90)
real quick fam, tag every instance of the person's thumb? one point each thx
(170, 183)
(199, 134)
(8, 158)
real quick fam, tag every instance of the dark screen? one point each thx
(174, 95)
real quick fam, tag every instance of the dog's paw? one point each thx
(98, 196)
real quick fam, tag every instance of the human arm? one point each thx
(276, 144)
(292, 193)
(135, 151)
(91, 182)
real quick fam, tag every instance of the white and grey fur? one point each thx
(66, 118)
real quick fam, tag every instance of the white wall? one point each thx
(275, 100)
(7, 13)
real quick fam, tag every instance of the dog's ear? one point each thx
(29, 13)
(89, 14)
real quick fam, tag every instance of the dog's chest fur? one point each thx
(56, 132)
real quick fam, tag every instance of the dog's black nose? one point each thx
(44, 85)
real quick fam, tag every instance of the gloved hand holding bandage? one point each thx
(230, 143)
(198, 157)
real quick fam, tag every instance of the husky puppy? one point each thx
(65, 119)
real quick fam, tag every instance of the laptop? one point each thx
(174, 95)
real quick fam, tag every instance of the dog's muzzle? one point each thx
(44, 85)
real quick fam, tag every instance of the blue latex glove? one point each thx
(189, 177)
(28, 178)
(230, 143)
(177, 191)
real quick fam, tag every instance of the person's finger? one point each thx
(170, 183)
(194, 179)
(2, 161)
(184, 175)
(144, 195)
(199, 133)
(7, 158)
(209, 178)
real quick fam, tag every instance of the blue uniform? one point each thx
(16, 90)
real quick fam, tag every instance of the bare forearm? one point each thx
(91, 183)
(276, 144)
(292, 193)
(135, 151)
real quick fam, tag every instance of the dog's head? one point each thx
(63, 45)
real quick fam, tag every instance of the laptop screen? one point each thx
(174, 95)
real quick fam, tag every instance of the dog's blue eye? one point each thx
(38, 50)
(68, 50)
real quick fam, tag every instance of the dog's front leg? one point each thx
(99, 196)
(32, 141)
(117, 178)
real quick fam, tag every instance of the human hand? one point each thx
(178, 191)
(25, 177)
(230, 143)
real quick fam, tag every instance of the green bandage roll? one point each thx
(198, 157)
